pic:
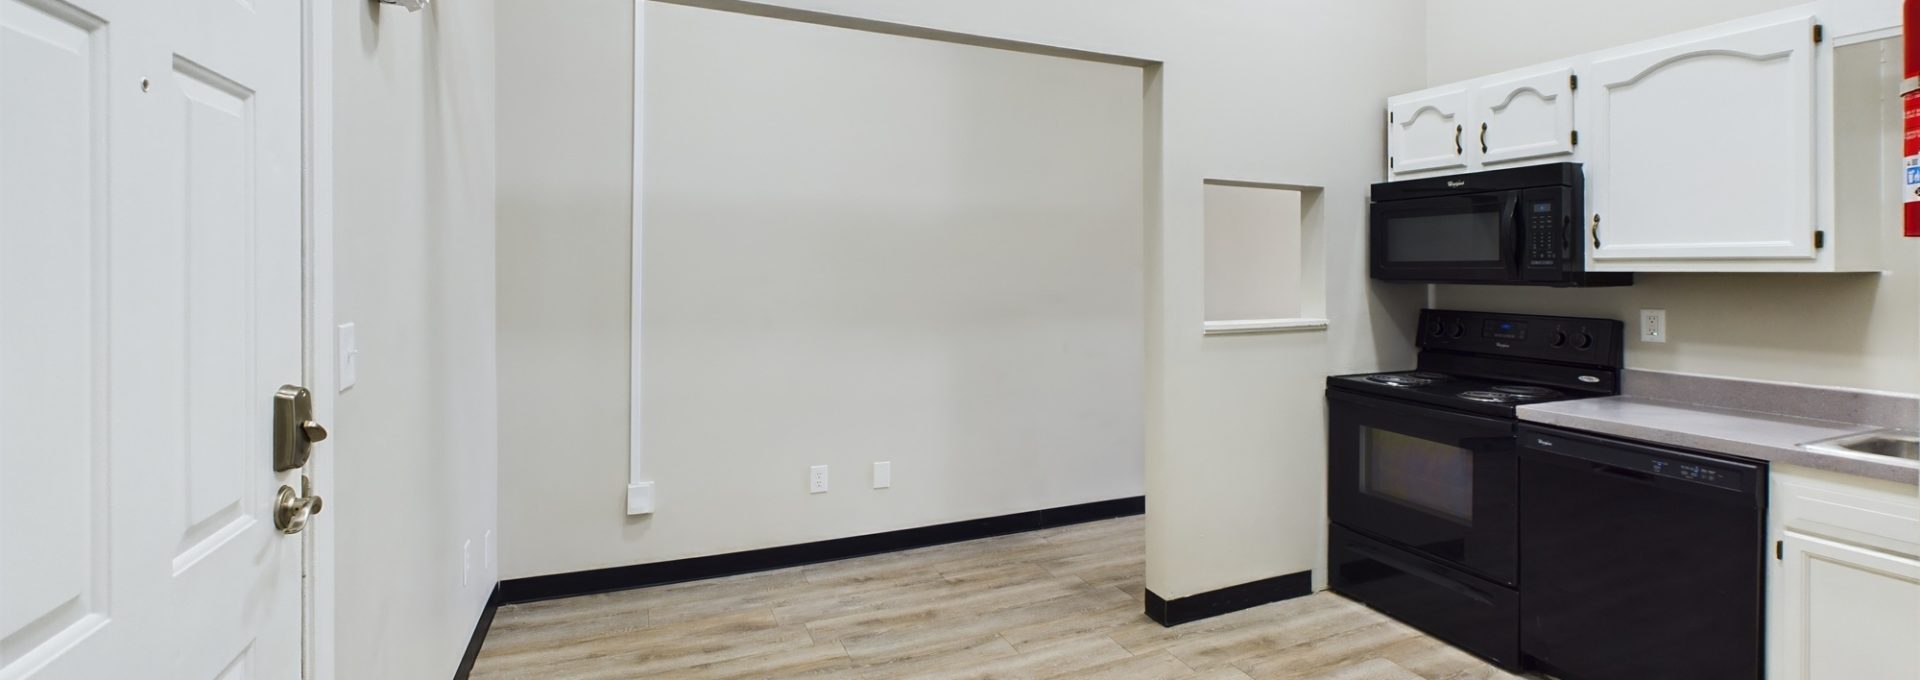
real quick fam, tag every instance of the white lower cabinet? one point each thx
(1850, 613)
(1844, 587)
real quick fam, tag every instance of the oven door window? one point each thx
(1424, 475)
(1442, 482)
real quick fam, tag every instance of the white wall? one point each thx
(416, 448)
(860, 248)
(1256, 91)
(1854, 330)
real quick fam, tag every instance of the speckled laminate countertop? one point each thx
(1762, 436)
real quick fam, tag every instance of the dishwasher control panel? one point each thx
(1636, 461)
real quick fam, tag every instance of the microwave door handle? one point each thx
(1511, 234)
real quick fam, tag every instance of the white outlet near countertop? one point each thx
(1653, 325)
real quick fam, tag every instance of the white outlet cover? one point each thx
(817, 479)
(882, 474)
(640, 498)
(1653, 325)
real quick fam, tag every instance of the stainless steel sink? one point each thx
(1900, 444)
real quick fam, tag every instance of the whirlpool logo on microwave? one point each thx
(1456, 183)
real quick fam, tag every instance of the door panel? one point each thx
(54, 452)
(143, 332)
(1702, 148)
(1427, 132)
(1528, 118)
(1849, 612)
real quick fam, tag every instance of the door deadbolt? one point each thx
(294, 430)
(292, 509)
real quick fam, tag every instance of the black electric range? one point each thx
(1423, 468)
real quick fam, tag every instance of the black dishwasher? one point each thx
(1639, 562)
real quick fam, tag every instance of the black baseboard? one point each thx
(696, 568)
(479, 635)
(1227, 600)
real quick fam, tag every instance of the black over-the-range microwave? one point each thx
(1519, 226)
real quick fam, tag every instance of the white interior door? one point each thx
(1426, 132)
(1528, 118)
(1702, 147)
(150, 273)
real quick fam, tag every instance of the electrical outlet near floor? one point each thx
(1653, 325)
(882, 474)
(817, 480)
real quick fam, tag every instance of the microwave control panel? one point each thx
(1542, 247)
(1544, 220)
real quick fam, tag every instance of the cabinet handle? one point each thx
(1457, 149)
(1483, 138)
(1596, 231)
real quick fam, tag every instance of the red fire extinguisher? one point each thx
(1910, 96)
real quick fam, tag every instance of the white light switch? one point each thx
(346, 346)
(882, 475)
(1653, 325)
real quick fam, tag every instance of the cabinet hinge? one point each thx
(1389, 116)
(1389, 161)
(1819, 33)
(1819, 239)
(1573, 81)
(1576, 138)
(1779, 550)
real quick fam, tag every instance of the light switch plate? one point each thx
(1653, 325)
(346, 347)
(882, 474)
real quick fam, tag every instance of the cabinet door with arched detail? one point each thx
(1427, 133)
(1525, 119)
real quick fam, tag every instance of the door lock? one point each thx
(292, 509)
(294, 429)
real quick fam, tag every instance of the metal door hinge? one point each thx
(1819, 33)
(1779, 550)
(1819, 239)
(1573, 81)
(1576, 138)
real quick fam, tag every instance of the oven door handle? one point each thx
(1423, 572)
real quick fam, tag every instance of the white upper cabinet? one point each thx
(1426, 132)
(1748, 146)
(1526, 118)
(1702, 146)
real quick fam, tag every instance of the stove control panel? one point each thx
(1577, 340)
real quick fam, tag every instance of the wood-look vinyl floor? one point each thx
(1061, 603)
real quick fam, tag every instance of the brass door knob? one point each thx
(292, 509)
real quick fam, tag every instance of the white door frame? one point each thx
(317, 593)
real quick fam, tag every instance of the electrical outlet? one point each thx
(1653, 325)
(817, 481)
(882, 474)
(466, 563)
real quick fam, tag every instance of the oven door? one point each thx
(1470, 238)
(1439, 482)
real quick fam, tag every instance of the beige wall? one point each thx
(1252, 91)
(1253, 253)
(416, 449)
(1854, 330)
(860, 248)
